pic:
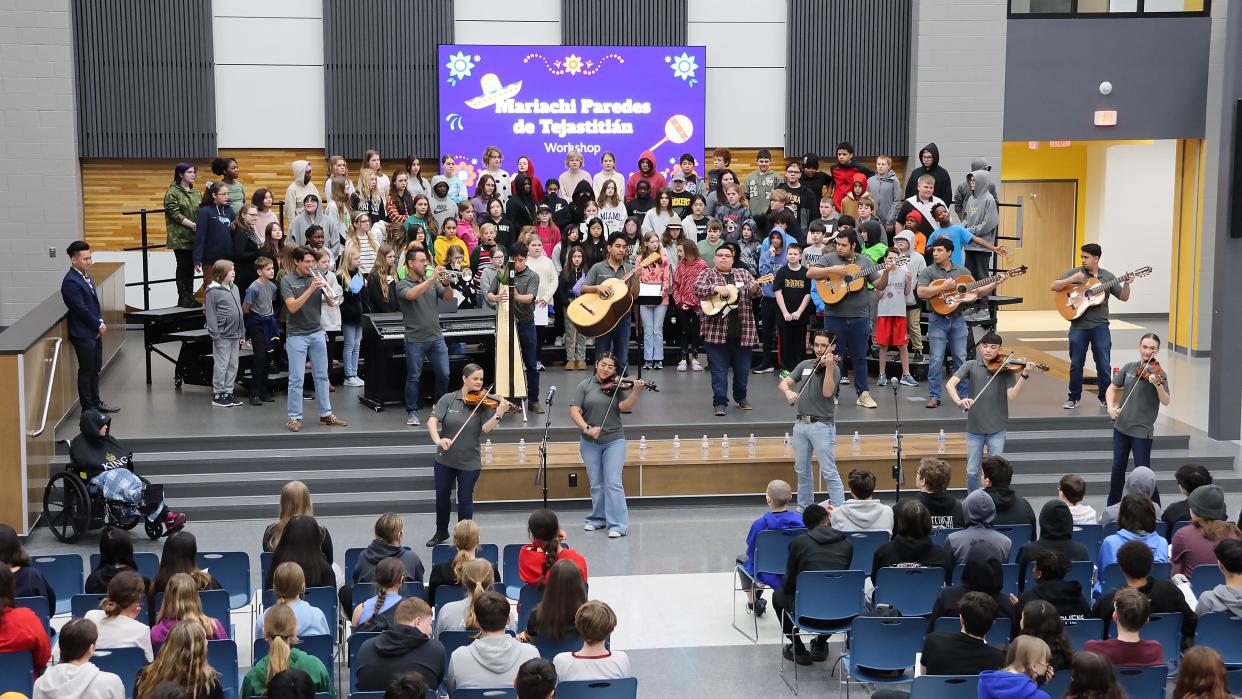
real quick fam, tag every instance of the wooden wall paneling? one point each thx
(11, 443)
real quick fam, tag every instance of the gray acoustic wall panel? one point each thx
(624, 22)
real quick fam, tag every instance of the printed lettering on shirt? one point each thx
(795, 283)
(942, 521)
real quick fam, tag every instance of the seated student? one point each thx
(1028, 665)
(389, 576)
(75, 676)
(862, 513)
(778, 497)
(546, 547)
(1195, 545)
(492, 660)
(409, 685)
(1056, 531)
(1226, 597)
(29, 580)
(290, 584)
(980, 511)
(1137, 522)
(1189, 477)
(117, 619)
(965, 652)
(389, 531)
(1041, 620)
(116, 555)
(1092, 678)
(183, 662)
(477, 581)
(596, 621)
(466, 541)
(291, 683)
(822, 547)
(295, 501)
(300, 544)
(1140, 481)
(1070, 490)
(536, 679)
(932, 479)
(1011, 508)
(20, 628)
(1202, 673)
(279, 624)
(180, 555)
(1135, 560)
(553, 617)
(1067, 596)
(911, 546)
(181, 603)
(1131, 610)
(983, 572)
(404, 648)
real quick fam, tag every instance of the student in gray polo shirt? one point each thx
(815, 429)
(1134, 412)
(418, 296)
(525, 289)
(302, 292)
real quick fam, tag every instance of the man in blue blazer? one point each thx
(86, 325)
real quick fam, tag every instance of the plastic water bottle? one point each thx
(724, 446)
(487, 451)
(522, 450)
(752, 446)
(857, 443)
(940, 443)
(787, 444)
(704, 446)
(676, 446)
(642, 446)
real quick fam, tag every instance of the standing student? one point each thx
(646, 172)
(845, 171)
(212, 240)
(228, 172)
(525, 166)
(262, 328)
(86, 325)
(537, 261)
(262, 200)
(457, 187)
(793, 300)
(492, 159)
(612, 209)
(352, 281)
(886, 190)
(944, 332)
(711, 240)
(525, 291)
(573, 173)
(414, 168)
(686, 304)
(180, 211)
(771, 258)
(301, 187)
(733, 212)
(983, 221)
(366, 197)
(371, 159)
(224, 326)
(1134, 412)
(617, 340)
(942, 183)
(903, 241)
(695, 223)
(891, 321)
(400, 201)
(750, 247)
(681, 195)
(729, 338)
(361, 237)
(303, 295)
(759, 185)
(656, 218)
(484, 193)
(987, 412)
(670, 243)
(245, 242)
(686, 164)
(1091, 328)
(572, 276)
(607, 173)
(802, 201)
(815, 429)
(418, 296)
(660, 275)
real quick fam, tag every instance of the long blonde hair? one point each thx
(466, 539)
(344, 213)
(349, 255)
(295, 501)
(181, 602)
(182, 660)
(280, 629)
(289, 581)
(1024, 653)
(365, 193)
(476, 579)
(382, 270)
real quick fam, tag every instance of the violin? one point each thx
(615, 383)
(1014, 365)
(490, 401)
(1148, 370)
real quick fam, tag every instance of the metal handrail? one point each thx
(47, 396)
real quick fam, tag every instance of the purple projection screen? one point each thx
(544, 101)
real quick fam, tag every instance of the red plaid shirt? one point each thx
(716, 328)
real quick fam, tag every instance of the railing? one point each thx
(51, 378)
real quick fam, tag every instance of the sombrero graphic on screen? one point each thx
(493, 92)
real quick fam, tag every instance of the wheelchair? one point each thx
(73, 506)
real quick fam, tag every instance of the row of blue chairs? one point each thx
(625, 688)
(1136, 682)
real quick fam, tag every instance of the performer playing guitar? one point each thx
(1091, 328)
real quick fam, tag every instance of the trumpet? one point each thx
(465, 275)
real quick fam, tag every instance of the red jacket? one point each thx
(21, 629)
(531, 559)
(655, 179)
(843, 180)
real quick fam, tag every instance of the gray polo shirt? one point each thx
(452, 412)
(1142, 403)
(524, 282)
(812, 401)
(1095, 316)
(990, 412)
(603, 270)
(934, 272)
(856, 304)
(422, 315)
(594, 404)
(306, 320)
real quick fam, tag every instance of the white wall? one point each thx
(746, 59)
(507, 23)
(269, 73)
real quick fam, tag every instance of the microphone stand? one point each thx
(898, 472)
(541, 474)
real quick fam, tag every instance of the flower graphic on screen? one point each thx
(459, 66)
(573, 64)
(684, 67)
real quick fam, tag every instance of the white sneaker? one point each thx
(592, 527)
(681, 366)
(411, 419)
(615, 534)
(354, 382)
(695, 366)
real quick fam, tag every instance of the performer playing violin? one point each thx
(815, 429)
(1144, 387)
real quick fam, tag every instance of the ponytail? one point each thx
(280, 629)
(466, 540)
(476, 579)
(389, 574)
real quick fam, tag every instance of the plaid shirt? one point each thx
(716, 328)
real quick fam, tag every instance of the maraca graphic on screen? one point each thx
(677, 129)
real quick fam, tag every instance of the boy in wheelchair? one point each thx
(108, 467)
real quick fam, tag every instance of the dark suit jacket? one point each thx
(83, 304)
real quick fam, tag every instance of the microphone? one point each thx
(551, 393)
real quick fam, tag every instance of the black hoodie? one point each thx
(983, 572)
(92, 454)
(398, 650)
(946, 510)
(944, 184)
(910, 553)
(822, 548)
(641, 203)
(378, 550)
(583, 193)
(521, 207)
(1056, 529)
(1065, 595)
(1012, 508)
(562, 212)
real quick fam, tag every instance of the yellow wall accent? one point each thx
(1020, 162)
(1186, 246)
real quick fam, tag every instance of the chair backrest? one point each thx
(351, 562)
(549, 648)
(1019, 534)
(1081, 571)
(1112, 578)
(865, 544)
(17, 672)
(148, 563)
(356, 639)
(1142, 682)
(1090, 536)
(624, 688)
(215, 605)
(500, 693)
(64, 573)
(939, 535)
(1206, 577)
(324, 599)
(222, 657)
(509, 568)
(913, 591)
(1082, 630)
(319, 646)
(1008, 570)
(772, 549)
(945, 687)
(79, 605)
(452, 640)
(444, 552)
(828, 595)
(1221, 630)
(885, 643)
(530, 596)
(446, 594)
(1234, 674)
(1058, 685)
(39, 606)
(122, 662)
(997, 636)
(265, 565)
(232, 570)
(1177, 526)
(362, 592)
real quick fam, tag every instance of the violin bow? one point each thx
(811, 378)
(472, 412)
(1136, 382)
(993, 377)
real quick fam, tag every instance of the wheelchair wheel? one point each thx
(66, 507)
(154, 529)
(117, 519)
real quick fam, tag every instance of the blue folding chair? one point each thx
(64, 573)
(945, 687)
(912, 591)
(452, 640)
(1090, 536)
(351, 562)
(1142, 682)
(17, 672)
(509, 569)
(883, 644)
(1206, 577)
(232, 570)
(1112, 578)
(501, 693)
(265, 565)
(446, 594)
(39, 606)
(1058, 685)
(865, 544)
(445, 552)
(997, 636)
(549, 648)
(222, 657)
(1176, 527)
(1220, 630)
(324, 599)
(771, 553)
(356, 639)
(148, 563)
(362, 592)
(1081, 571)
(624, 688)
(1009, 572)
(122, 662)
(527, 599)
(825, 602)
(940, 535)
(1166, 629)
(1082, 630)
(79, 605)
(319, 646)
(215, 605)
(1234, 675)
(1111, 528)
(1019, 535)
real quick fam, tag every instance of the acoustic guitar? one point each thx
(837, 286)
(1075, 299)
(593, 315)
(952, 293)
(714, 304)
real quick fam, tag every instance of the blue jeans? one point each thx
(528, 339)
(616, 341)
(604, 463)
(653, 332)
(853, 341)
(353, 342)
(297, 349)
(436, 352)
(446, 476)
(820, 438)
(1123, 444)
(1101, 341)
(723, 357)
(975, 442)
(945, 333)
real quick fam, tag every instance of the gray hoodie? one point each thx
(863, 516)
(886, 190)
(982, 215)
(914, 265)
(224, 312)
(1142, 480)
(488, 662)
(333, 230)
(1221, 598)
(85, 681)
(441, 208)
(962, 193)
(980, 510)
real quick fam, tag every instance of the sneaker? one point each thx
(695, 366)
(539, 366)
(294, 425)
(559, 341)
(588, 527)
(646, 366)
(255, 400)
(332, 421)
(845, 381)
(411, 419)
(221, 400)
(759, 606)
(802, 658)
(658, 366)
(1104, 404)
(1070, 404)
(744, 405)
(908, 380)
(762, 369)
(354, 382)
(174, 522)
(267, 397)
(882, 381)
(234, 401)
(681, 366)
(720, 411)
(437, 539)
(615, 533)
(865, 400)
(818, 649)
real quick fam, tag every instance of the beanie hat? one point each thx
(913, 214)
(1208, 502)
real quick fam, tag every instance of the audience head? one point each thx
(1202, 675)
(301, 543)
(465, 540)
(290, 683)
(595, 621)
(409, 685)
(11, 551)
(1092, 677)
(1072, 488)
(125, 591)
(295, 501)
(1229, 556)
(280, 629)
(77, 640)
(779, 494)
(1056, 522)
(1042, 620)
(545, 529)
(389, 528)
(1135, 560)
(389, 574)
(1051, 565)
(1191, 476)
(933, 474)
(1131, 609)
(564, 594)
(414, 612)
(814, 515)
(116, 548)
(289, 582)
(862, 484)
(912, 520)
(996, 469)
(180, 555)
(491, 611)
(181, 602)
(1030, 656)
(978, 612)
(984, 568)
(980, 509)
(1207, 511)
(477, 579)
(182, 660)
(1136, 514)
(536, 679)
